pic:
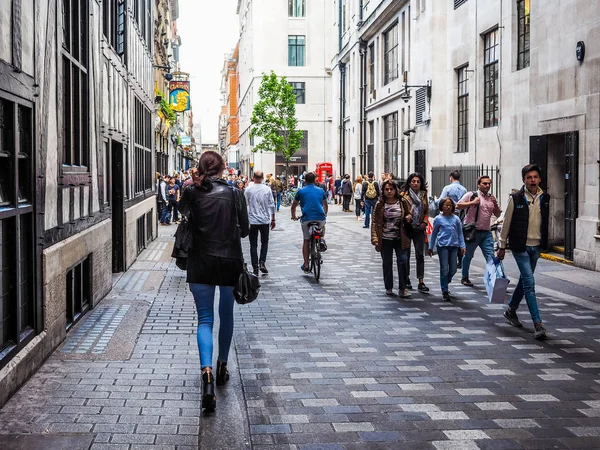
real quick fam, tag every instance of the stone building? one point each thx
(486, 87)
(292, 38)
(229, 92)
(76, 166)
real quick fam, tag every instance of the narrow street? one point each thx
(335, 365)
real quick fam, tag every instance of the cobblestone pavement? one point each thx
(335, 365)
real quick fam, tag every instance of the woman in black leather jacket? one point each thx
(219, 219)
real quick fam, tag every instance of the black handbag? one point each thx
(183, 243)
(247, 288)
(470, 229)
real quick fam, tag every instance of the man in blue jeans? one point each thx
(525, 229)
(370, 195)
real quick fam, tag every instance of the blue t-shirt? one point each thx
(311, 199)
(173, 189)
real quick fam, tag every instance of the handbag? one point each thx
(469, 229)
(183, 243)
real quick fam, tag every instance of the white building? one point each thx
(293, 39)
(509, 85)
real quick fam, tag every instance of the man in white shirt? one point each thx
(261, 214)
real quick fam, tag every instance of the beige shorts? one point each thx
(306, 228)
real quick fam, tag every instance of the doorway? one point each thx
(557, 155)
(117, 206)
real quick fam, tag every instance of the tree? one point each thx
(274, 119)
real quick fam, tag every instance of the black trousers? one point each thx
(388, 247)
(173, 205)
(418, 240)
(347, 198)
(264, 243)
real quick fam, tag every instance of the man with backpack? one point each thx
(370, 194)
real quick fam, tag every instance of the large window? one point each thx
(296, 46)
(75, 84)
(371, 68)
(523, 34)
(17, 237)
(113, 24)
(490, 79)
(297, 8)
(390, 143)
(142, 13)
(390, 54)
(463, 110)
(299, 92)
(143, 146)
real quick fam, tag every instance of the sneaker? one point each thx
(511, 316)
(262, 267)
(540, 332)
(446, 296)
(255, 271)
(389, 292)
(305, 269)
(404, 294)
(322, 245)
(365, 226)
(466, 282)
(408, 285)
(422, 288)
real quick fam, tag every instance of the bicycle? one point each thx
(316, 243)
(287, 196)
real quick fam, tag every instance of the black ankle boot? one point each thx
(222, 373)
(209, 400)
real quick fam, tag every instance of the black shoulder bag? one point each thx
(469, 229)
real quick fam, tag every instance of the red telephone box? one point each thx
(323, 169)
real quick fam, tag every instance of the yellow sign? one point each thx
(179, 95)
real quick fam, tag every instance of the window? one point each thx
(371, 68)
(75, 84)
(143, 145)
(79, 291)
(113, 25)
(296, 50)
(523, 34)
(299, 92)
(390, 143)
(490, 79)
(390, 54)
(17, 237)
(420, 162)
(297, 8)
(463, 110)
(142, 13)
(457, 3)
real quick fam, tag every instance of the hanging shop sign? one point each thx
(179, 95)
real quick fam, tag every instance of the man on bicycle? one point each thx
(313, 202)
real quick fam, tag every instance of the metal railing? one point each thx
(468, 178)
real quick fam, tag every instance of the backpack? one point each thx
(371, 191)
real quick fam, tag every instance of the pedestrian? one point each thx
(163, 201)
(447, 235)
(219, 221)
(525, 229)
(370, 194)
(337, 190)
(388, 235)
(346, 192)
(240, 184)
(261, 213)
(357, 188)
(173, 195)
(415, 193)
(480, 206)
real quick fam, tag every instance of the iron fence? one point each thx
(468, 178)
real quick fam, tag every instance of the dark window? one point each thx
(420, 162)
(297, 8)
(523, 34)
(390, 143)
(143, 148)
(457, 3)
(142, 13)
(79, 291)
(463, 110)
(490, 79)
(75, 84)
(420, 104)
(17, 234)
(390, 54)
(141, 233)
(299, 92)
(296, 46)
(371, 68)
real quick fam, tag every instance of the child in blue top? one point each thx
(447, 233)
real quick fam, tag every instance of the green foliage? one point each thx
(167, 111)
(274, 118)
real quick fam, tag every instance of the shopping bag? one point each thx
(495, 280)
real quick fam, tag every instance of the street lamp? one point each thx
(405, 94)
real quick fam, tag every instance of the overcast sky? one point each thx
(208, 30)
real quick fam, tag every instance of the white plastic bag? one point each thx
(495, 280)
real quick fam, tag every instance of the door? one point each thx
(538, 154)
(571, 191)
(117, 206)
(420, 162)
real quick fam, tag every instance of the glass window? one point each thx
(490, 79)
(371, 68)
(297, 8)
(390, 143)
(390, 54)
(299, 92)
(143, 152)
(296, 46)
(523, 34)
(463, 110)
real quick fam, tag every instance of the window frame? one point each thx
(371, 67)
(523, 34)
(389, 74)
(390, 137)
(299, 88)
(142, 145)
(462, 109)
(491, 58)
(297, 8)
(296, 48)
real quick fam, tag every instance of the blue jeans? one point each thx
(204, 296)
(369, 205)
(448, 263)
(526, 261)
(483, 240)
(165, 213)
(277, 199)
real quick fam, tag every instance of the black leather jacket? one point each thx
(219, 220)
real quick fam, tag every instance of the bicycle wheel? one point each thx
(316, 257)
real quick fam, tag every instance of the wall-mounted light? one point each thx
(405, 95)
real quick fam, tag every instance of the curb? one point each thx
(558, 259)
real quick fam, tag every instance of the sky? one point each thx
(208, 30)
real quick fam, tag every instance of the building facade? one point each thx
(76, 166)
(486, 87)
(292, 39)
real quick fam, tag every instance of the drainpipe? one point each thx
(362, 106)
(340, 26)
(342, 115)
(360, 12)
